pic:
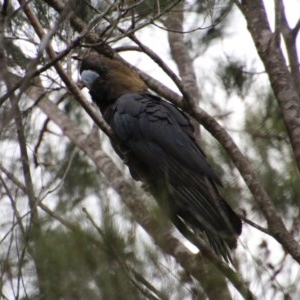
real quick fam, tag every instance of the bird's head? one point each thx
(108, 79)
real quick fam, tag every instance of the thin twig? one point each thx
(73, 88)
(13, 179)
(33, 73)
(253, 224)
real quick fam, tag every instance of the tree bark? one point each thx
(283, 84)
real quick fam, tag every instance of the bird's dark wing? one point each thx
(161, 142)
(147, 123)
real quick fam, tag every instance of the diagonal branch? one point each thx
(180, 53)
(182, 58)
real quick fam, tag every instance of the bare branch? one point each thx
(163, 65)
(281, 80)
(180, 53)
(13, 179)
(21, 139)
(296, 29)
(254, 225)
(290, 43)
(14, 207)
(182, 58)
(22, 83)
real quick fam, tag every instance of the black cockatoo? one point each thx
(161, 151)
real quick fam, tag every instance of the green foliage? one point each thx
(83, 10)
(217, 9)
(61, 255)
(76, 168)
(16, 55)
(151, 8)
(84, 265)
(45, 14)
(233, 77)
(273, 157)
(216, 18)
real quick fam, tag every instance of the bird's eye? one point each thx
(102, 71)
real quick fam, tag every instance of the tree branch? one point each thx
(282, 82)
(180, 54)
(290, 43)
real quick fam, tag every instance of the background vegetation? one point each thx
(74, 225)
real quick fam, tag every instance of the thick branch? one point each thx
(180, 53)
(290, 43)
(282, 82)
(25, 161)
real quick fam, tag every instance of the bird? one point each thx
(156, 140)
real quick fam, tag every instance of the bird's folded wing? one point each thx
(143, 119)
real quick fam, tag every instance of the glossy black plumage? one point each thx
(161, 151)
